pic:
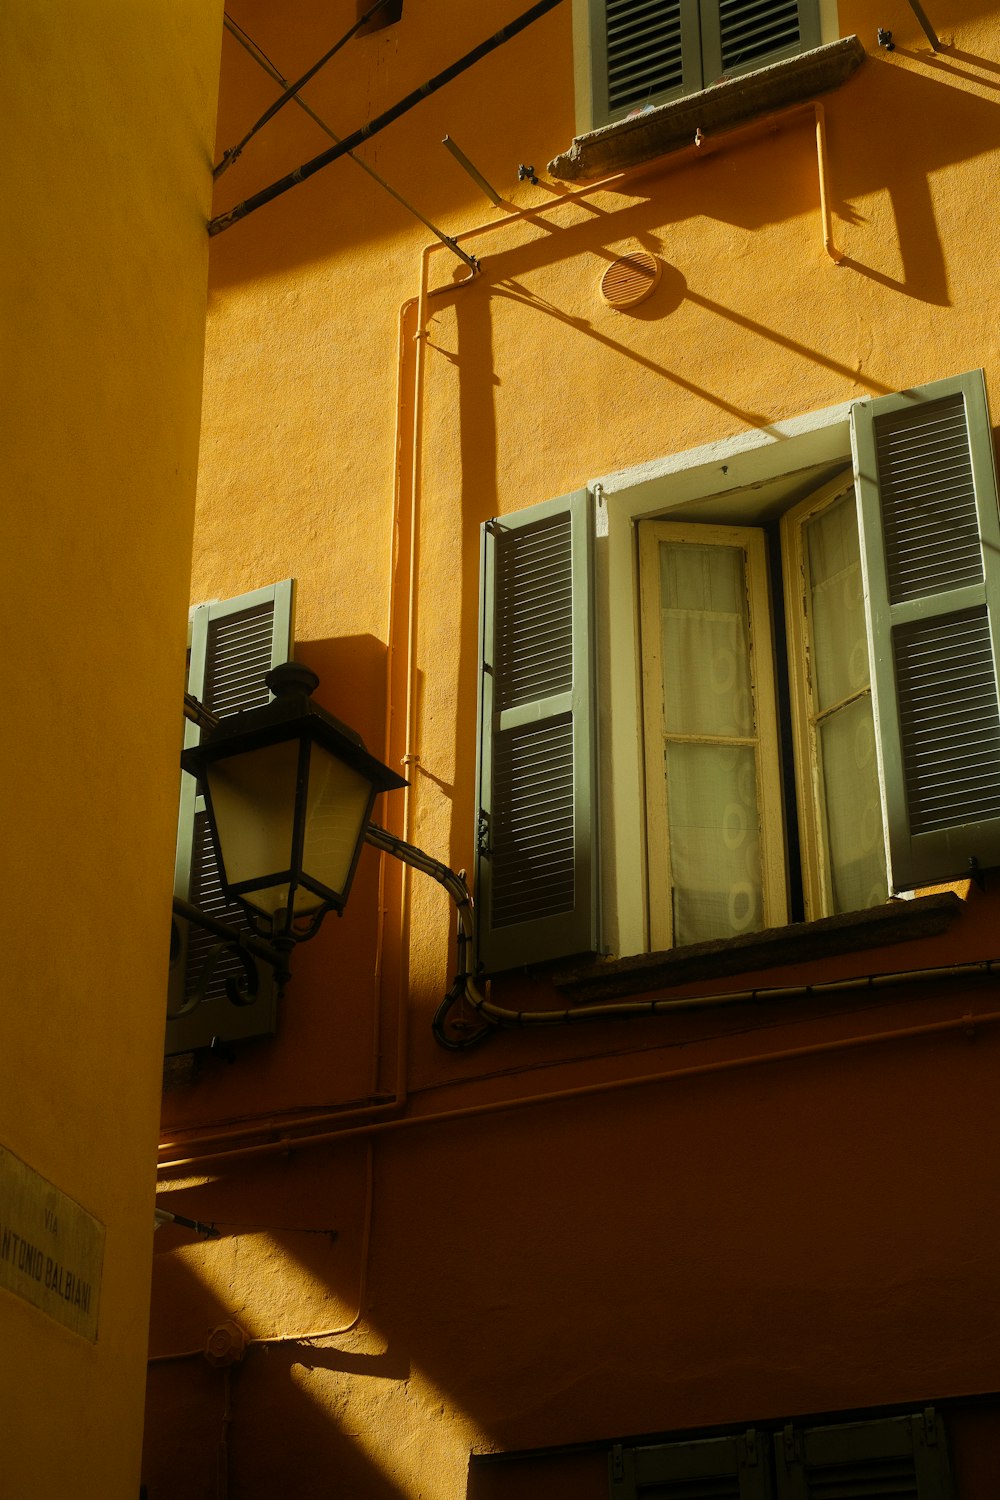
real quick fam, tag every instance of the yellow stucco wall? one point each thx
(108, 112)
(481, 1303)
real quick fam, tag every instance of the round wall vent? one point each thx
(630, 279)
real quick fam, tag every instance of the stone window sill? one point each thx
(734, 101)
(802, 942)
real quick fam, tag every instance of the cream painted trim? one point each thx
(660, 488)
(583, 72)
(829, 21)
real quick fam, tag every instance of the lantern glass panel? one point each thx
(253, 800)
(338, 802)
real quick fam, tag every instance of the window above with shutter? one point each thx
(649, 73)
(648, 51)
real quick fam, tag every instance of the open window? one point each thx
(736, 841)
(796, 684)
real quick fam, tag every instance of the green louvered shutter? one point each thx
(536, 864)
(650, 51)
(896, 1458)
(233, 644)
(642, 52)
(930, 541)
(738, 35)
(729, 1468)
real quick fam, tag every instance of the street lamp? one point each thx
(289, 791)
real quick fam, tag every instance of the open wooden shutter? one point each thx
(930, 540)
(536, 882)
(233, 644)
(729, 1468)
(897, 1458)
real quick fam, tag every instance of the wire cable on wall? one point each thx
(228, 157)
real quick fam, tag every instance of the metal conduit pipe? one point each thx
(402, 1009)
(464, 986)
(966, 1023)
(824, 203)
(660, 1006)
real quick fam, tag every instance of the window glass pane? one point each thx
(338, 801)
(845, 735)
(840, 641)
(714, 829)
(853, 810)
(705, 641)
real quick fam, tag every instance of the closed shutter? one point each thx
(650, 51)
(643, 52)
(730, 1468)
(233, 644)
(897, 1458)
(738, 35)
(930, 535)
(536, 867)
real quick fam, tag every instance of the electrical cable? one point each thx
(968, 1023)
(228, 157)
(494, 1016)
(316, 163)
(262, 60)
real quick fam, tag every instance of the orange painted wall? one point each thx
(795, 1236)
